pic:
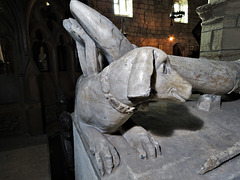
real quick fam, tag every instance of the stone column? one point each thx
(220, 39)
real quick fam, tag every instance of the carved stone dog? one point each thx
(107, 98)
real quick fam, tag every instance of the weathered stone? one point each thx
(105, 100)
(187, 139)
(109, 39)
(238, 22)
(208, 102)
(217, 40)
(233, 7)
(230, 21)
(231, 38)
(230, 55)
(84, 169)
(210, 77)
(221, 18)
(206, 41)
(211, 26)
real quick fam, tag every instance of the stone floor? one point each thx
(24, 158)
(28, 157)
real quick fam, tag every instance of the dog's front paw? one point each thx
(105, 154)
(143, 142)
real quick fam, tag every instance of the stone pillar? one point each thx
(220, 30)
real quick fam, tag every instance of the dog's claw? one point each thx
(106, 156)
(143, 142)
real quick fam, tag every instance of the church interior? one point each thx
(39, 67)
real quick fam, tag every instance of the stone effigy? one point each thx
(108, 95)
(106, 99)
(208, 76)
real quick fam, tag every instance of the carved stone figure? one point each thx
(106, 99)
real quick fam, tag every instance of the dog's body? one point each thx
(105, 101)
(106, 98)
(92, 107)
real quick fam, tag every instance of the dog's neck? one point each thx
(114, 102)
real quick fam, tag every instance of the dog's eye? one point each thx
(163, 68)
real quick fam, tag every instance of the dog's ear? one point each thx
(139, 83)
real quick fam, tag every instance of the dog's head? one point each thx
(152, 77)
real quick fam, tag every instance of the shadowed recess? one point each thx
(165, 117)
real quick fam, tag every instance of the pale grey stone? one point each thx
(107, 98)
(187, 139)
(208, 76)
(220, 16)
(238, 22)
(206, 41)
(84, 170)
(210, 26)
(217, 40)
(102, 31)
(229, 55)
(214, 55)
(230, 21)
(231, 38)
(216, 1)
(209, 102)
(233, 7)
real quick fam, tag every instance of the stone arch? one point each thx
(48, 21)
(177, 50)
(41, 41)
(7, 46)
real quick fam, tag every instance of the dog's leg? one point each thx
(139, 139)
(104, 152)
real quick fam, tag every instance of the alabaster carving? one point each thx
(107, 96)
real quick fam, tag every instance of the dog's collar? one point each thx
(114, 102)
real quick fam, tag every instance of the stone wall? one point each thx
(220, 30)
(150, 25)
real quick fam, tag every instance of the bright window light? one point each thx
(181, 5)
(47, 4)
(123, 8)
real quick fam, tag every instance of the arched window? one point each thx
(181, 6)
(123, 8)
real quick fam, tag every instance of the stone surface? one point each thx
(209, 27)
(24, 158)
(105, 100)
(230, 21)
(209, 102)
(217, 40)
(206, 41)
(84, 168)
(238, 21)
(231, 39)
(188, 137)
(208, 76)
(220, 32)
(105, 34)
